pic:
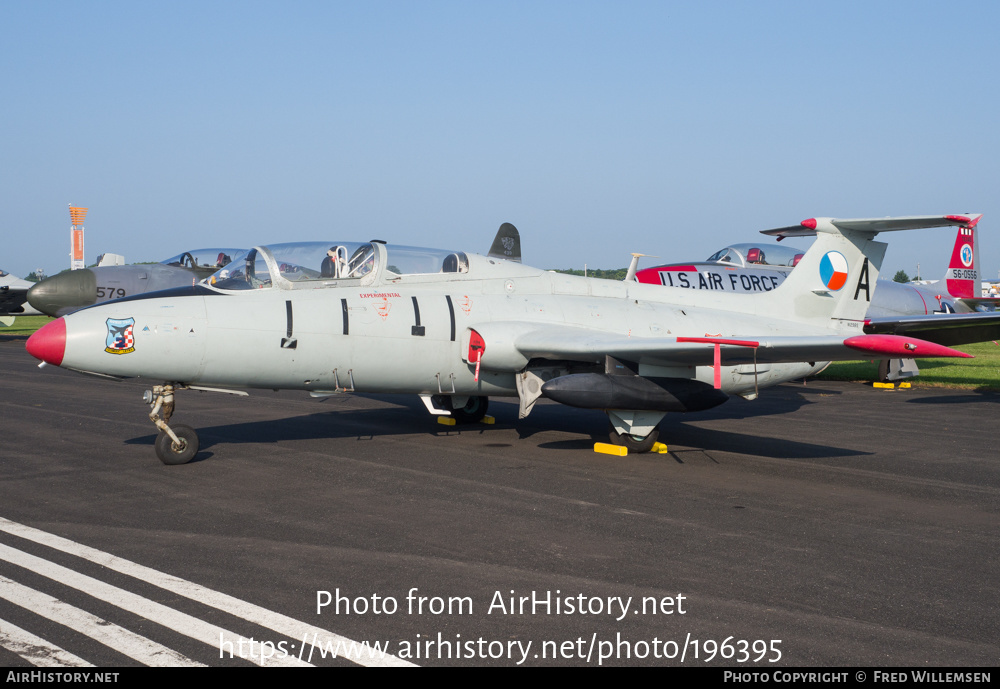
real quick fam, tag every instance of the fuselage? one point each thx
(72, 290)
(889, 299)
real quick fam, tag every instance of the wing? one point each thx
(944, 329)
(12, 300)
(511, 345)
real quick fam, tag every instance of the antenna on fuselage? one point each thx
(634, 265)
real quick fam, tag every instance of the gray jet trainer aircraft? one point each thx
(74, 289)
(455, 328)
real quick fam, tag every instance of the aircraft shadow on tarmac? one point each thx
(678, 431)
(406, 416)
(972, 397)
(398, 417)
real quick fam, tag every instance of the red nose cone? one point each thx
(49, 343)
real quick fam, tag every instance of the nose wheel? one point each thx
(180, 451)
(177, 445)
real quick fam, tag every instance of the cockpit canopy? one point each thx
(747, 255)
(314, 264)
(203, 258)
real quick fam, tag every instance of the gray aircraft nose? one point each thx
(65, 292)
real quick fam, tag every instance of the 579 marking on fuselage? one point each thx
(110, 292)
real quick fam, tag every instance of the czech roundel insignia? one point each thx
(120, 338)
(833, 270)
(967, 256)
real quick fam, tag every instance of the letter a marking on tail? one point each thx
(863, 282)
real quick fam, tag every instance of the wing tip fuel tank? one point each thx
(898, 345)
(49, 342)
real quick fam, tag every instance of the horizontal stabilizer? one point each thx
(810, 227)
(973, 303)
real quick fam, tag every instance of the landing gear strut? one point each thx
(177, 445)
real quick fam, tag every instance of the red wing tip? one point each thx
(902, 346)
(49, 343)
(967, 221)
(810, 223)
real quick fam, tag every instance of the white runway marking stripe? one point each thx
(282, 624)
(36, 650)
(183, 623)
(111, 635)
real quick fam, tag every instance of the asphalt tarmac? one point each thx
(827, 524)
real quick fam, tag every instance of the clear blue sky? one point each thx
(597, 128)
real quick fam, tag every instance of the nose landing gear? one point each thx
(177, 445)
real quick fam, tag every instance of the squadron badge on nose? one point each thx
(120, 338)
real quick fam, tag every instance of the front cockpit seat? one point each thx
(334, 263)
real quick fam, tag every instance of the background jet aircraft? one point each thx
(455, 328)
(74, 289)
(759, 267)
(13, 294)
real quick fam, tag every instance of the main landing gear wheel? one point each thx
(634, 443)
(473, 411)
(883, 371)
(182, 452)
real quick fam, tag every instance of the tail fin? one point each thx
(962, 277)
(507, 244)
(834, 282)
